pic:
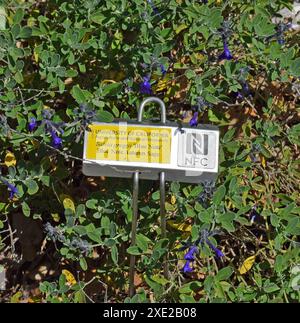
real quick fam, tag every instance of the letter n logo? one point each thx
(197, 144)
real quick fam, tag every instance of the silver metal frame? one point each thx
(135, 199)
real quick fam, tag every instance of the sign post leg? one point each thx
(163, 219)
(161, 176)
(135, 195)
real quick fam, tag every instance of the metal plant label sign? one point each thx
(119, 149)
(160, 151)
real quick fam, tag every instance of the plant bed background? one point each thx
(64, 237)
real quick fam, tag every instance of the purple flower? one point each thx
(12, 189)
(194, 120)
(145, 86)
(56, 141)
(32, 124)
(226, 53)
(190, 258)
(190, 255)
(187, 267)
(218, 252)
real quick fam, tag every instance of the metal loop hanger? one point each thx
(135, 199)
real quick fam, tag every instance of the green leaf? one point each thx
(153, 285)
(98, 17)
(92, 204)
(187, 298)
(224, 273)
(279, 263)
(78, 94)
(142, 242)
(110, 242)
(79, 297)
(294, 134)
(83, 264)
(215, 18)
(228, 225)
(18, 16)
(25, 32)
(133, 250)
(262, 26)
(16, 297)
(2, 18)
(32, 186)
(190, 74)
(160, 279)
(111, 89)
(105, 116)
(219, 195)
(229, 135)
(155, 195)
(196, 191)
(286, 58)
(45, 180)
(190, 287)
(25, 209)
(180, 28)
(214, 116)
(80, 210)
(295, 67)
(293, 226)
(114, 254)
(95, 235)
(175, 187)
(271, 287)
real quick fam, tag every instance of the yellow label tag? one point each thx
(129, 143)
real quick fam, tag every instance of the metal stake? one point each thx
(135, 200)
(163, 219)
(135, 196)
